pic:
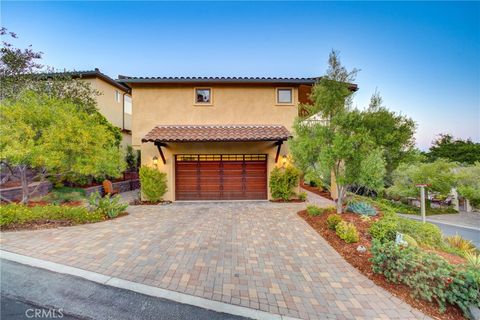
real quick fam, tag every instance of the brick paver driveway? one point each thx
(255, 254)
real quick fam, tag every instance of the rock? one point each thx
(361, 249)
(474, 312)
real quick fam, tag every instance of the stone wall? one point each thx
(15, 193)
(121, 186)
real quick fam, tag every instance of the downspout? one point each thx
(123, 108)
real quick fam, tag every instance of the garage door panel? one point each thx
(209, 179)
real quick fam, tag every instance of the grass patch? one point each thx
(65, 194)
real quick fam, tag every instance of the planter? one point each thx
(121, 186)
(15, 193)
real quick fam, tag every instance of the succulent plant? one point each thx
(362, 208)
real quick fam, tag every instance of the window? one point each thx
(284, 96)
(117, 96)
(203, 95)
(128, 105)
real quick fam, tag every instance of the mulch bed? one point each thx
(138, 202)
(316, 190)
(287, 201)
(361, 262)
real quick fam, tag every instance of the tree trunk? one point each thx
(339, 199)
(24, 181)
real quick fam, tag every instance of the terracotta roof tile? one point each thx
(192, 133)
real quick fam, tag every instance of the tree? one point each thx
(467, 180)
(338, 143)
(16, 66)
(457, 150)
(390, 131)
(56, 138)
(438, 175)
(21, 71)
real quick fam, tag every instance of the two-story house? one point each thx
(114, 101)
(215, 138)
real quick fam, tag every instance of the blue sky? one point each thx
(424, 58)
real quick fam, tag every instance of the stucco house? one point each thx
(215, 138)
(114, 101)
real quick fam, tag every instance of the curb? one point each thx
(144, 289)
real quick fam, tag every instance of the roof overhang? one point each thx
(217, 133)
(217, 80)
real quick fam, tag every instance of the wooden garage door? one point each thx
(221, 177)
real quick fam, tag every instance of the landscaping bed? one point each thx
(362, 262)
(138, 202)
(61, 207)
(287, 201)
(317, 190)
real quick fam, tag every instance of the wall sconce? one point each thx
(284, 160)
(155, 161)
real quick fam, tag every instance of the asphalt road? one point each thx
(471, 234)
(24, 288)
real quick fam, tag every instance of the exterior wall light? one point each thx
(155, 161)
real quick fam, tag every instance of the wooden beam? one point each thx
(279, 146)
(159, 147)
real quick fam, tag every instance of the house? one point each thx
(114, 101)
(215, 138)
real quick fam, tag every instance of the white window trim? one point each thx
(195, 103)
(118, 96)
(291, 103)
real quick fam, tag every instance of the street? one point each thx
(26, 290)
(451, 229)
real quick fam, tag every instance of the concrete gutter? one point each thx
(142, 288)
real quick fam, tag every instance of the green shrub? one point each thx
(283, 181)
(429, 276)
(153, 184)
(302, 196)
(361, 208)
(384, 229)
(65, 194)
(460, 244)
(131, 158)
(314, 210)
(108, 206)
(424, 233)
(410, 241)
(473, 259)
(333, 220)
(464, 288)
(11, 214)
(347, 232)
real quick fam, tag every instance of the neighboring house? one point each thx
(215, 138)
(114, 101)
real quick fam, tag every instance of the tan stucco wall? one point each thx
(110, 108)
(231, 105)
(126, 140)
(152, 106)
(149, 150)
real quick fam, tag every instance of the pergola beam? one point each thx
(279, 146)
(159, 147)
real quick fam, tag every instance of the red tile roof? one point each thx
(192, 133)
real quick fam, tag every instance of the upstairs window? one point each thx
(117, 96)
(284, 96)
(203, 95)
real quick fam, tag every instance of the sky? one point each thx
(423, 57)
